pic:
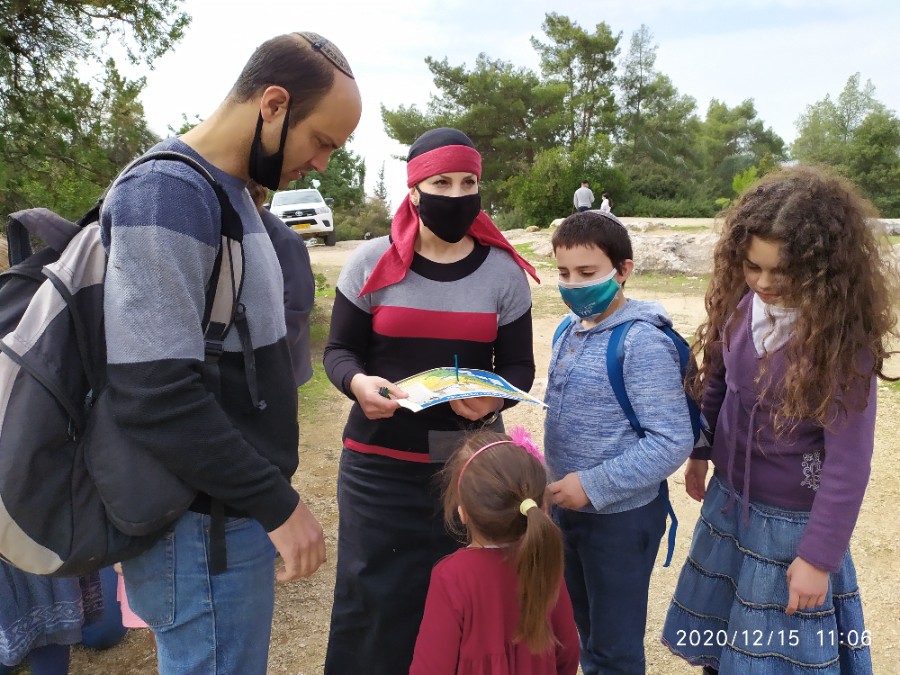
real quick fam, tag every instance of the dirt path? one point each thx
(300, 627)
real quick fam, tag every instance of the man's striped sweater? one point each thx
(161, 226)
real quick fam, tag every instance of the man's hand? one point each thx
(477, 407)
(695, 478)
(367, 390)
(807, 586)
(301, 543)
(568, 492)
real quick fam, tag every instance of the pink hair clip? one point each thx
(522, 438)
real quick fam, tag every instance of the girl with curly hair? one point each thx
(799, 317)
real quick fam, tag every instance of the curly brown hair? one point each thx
(835, 270)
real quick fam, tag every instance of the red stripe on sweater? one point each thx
(407, 322)
(404, 455)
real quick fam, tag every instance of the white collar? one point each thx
(767, 337)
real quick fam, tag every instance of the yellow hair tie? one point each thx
(526, 506)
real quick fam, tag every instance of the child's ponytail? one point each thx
(539, 563)
(499, 482)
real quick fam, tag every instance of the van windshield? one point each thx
(296, 197)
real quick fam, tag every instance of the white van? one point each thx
(305, 212)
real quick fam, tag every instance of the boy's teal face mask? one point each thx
(590, 298)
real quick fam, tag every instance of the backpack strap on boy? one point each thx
(560, 329)
(615, 367)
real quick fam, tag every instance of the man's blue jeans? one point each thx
(609, 558)
(206, 624)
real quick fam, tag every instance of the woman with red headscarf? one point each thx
(445, 285)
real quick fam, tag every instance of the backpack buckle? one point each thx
(214, 350)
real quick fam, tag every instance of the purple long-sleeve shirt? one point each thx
(808, 468)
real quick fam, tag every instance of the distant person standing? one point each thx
(583, 198)
(604, 204)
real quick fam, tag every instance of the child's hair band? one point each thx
(518, 436)
(526, 506)
(474, 455)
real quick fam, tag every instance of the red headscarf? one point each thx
(393, 264)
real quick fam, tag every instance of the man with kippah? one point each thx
(236, 443)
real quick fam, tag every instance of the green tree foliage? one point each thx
(743, 180)
(739, 185)
(826, 127)
(732, 141)
(545, 192)
(873, 161)
(858, 137)
(655, 123)
(186, 125)
(584, 64)
(62, 139)
(637, 72)
(508, 113)
(65, 154)
(627, 127)
(368, 220)
(343, 180)
(381, 189)
(657, 149)
(41, 39)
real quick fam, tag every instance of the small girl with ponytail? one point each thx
(498, 606)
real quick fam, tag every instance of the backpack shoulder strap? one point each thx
(231, 222)
(615, 367)
(685, 360)
(222, 310)
(615, 370)
(560, 329)
(681, 346)
(228, 267)
(52, 229)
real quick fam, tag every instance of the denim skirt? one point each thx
(728, 607)
(36, 611)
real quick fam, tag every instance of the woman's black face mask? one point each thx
(449, 217)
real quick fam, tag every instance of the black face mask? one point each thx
(266, 170)
(449, 217)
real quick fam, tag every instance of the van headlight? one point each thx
(323, 209)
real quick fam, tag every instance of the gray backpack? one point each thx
(69, 505)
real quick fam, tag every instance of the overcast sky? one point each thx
(784, 54)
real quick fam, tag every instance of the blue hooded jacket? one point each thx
(586, 430)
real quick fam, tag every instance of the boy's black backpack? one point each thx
(67, 508)
(615, 363)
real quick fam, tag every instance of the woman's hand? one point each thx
(807, 586)
(477, 407)
(366, 389)
(695, 478)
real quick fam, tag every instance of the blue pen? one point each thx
(456, 364)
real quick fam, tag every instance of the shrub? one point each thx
(513, 219)
(684, 207)
(372, 218)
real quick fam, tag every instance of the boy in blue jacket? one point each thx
(607, 479)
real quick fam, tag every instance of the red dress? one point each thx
(471, 617)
